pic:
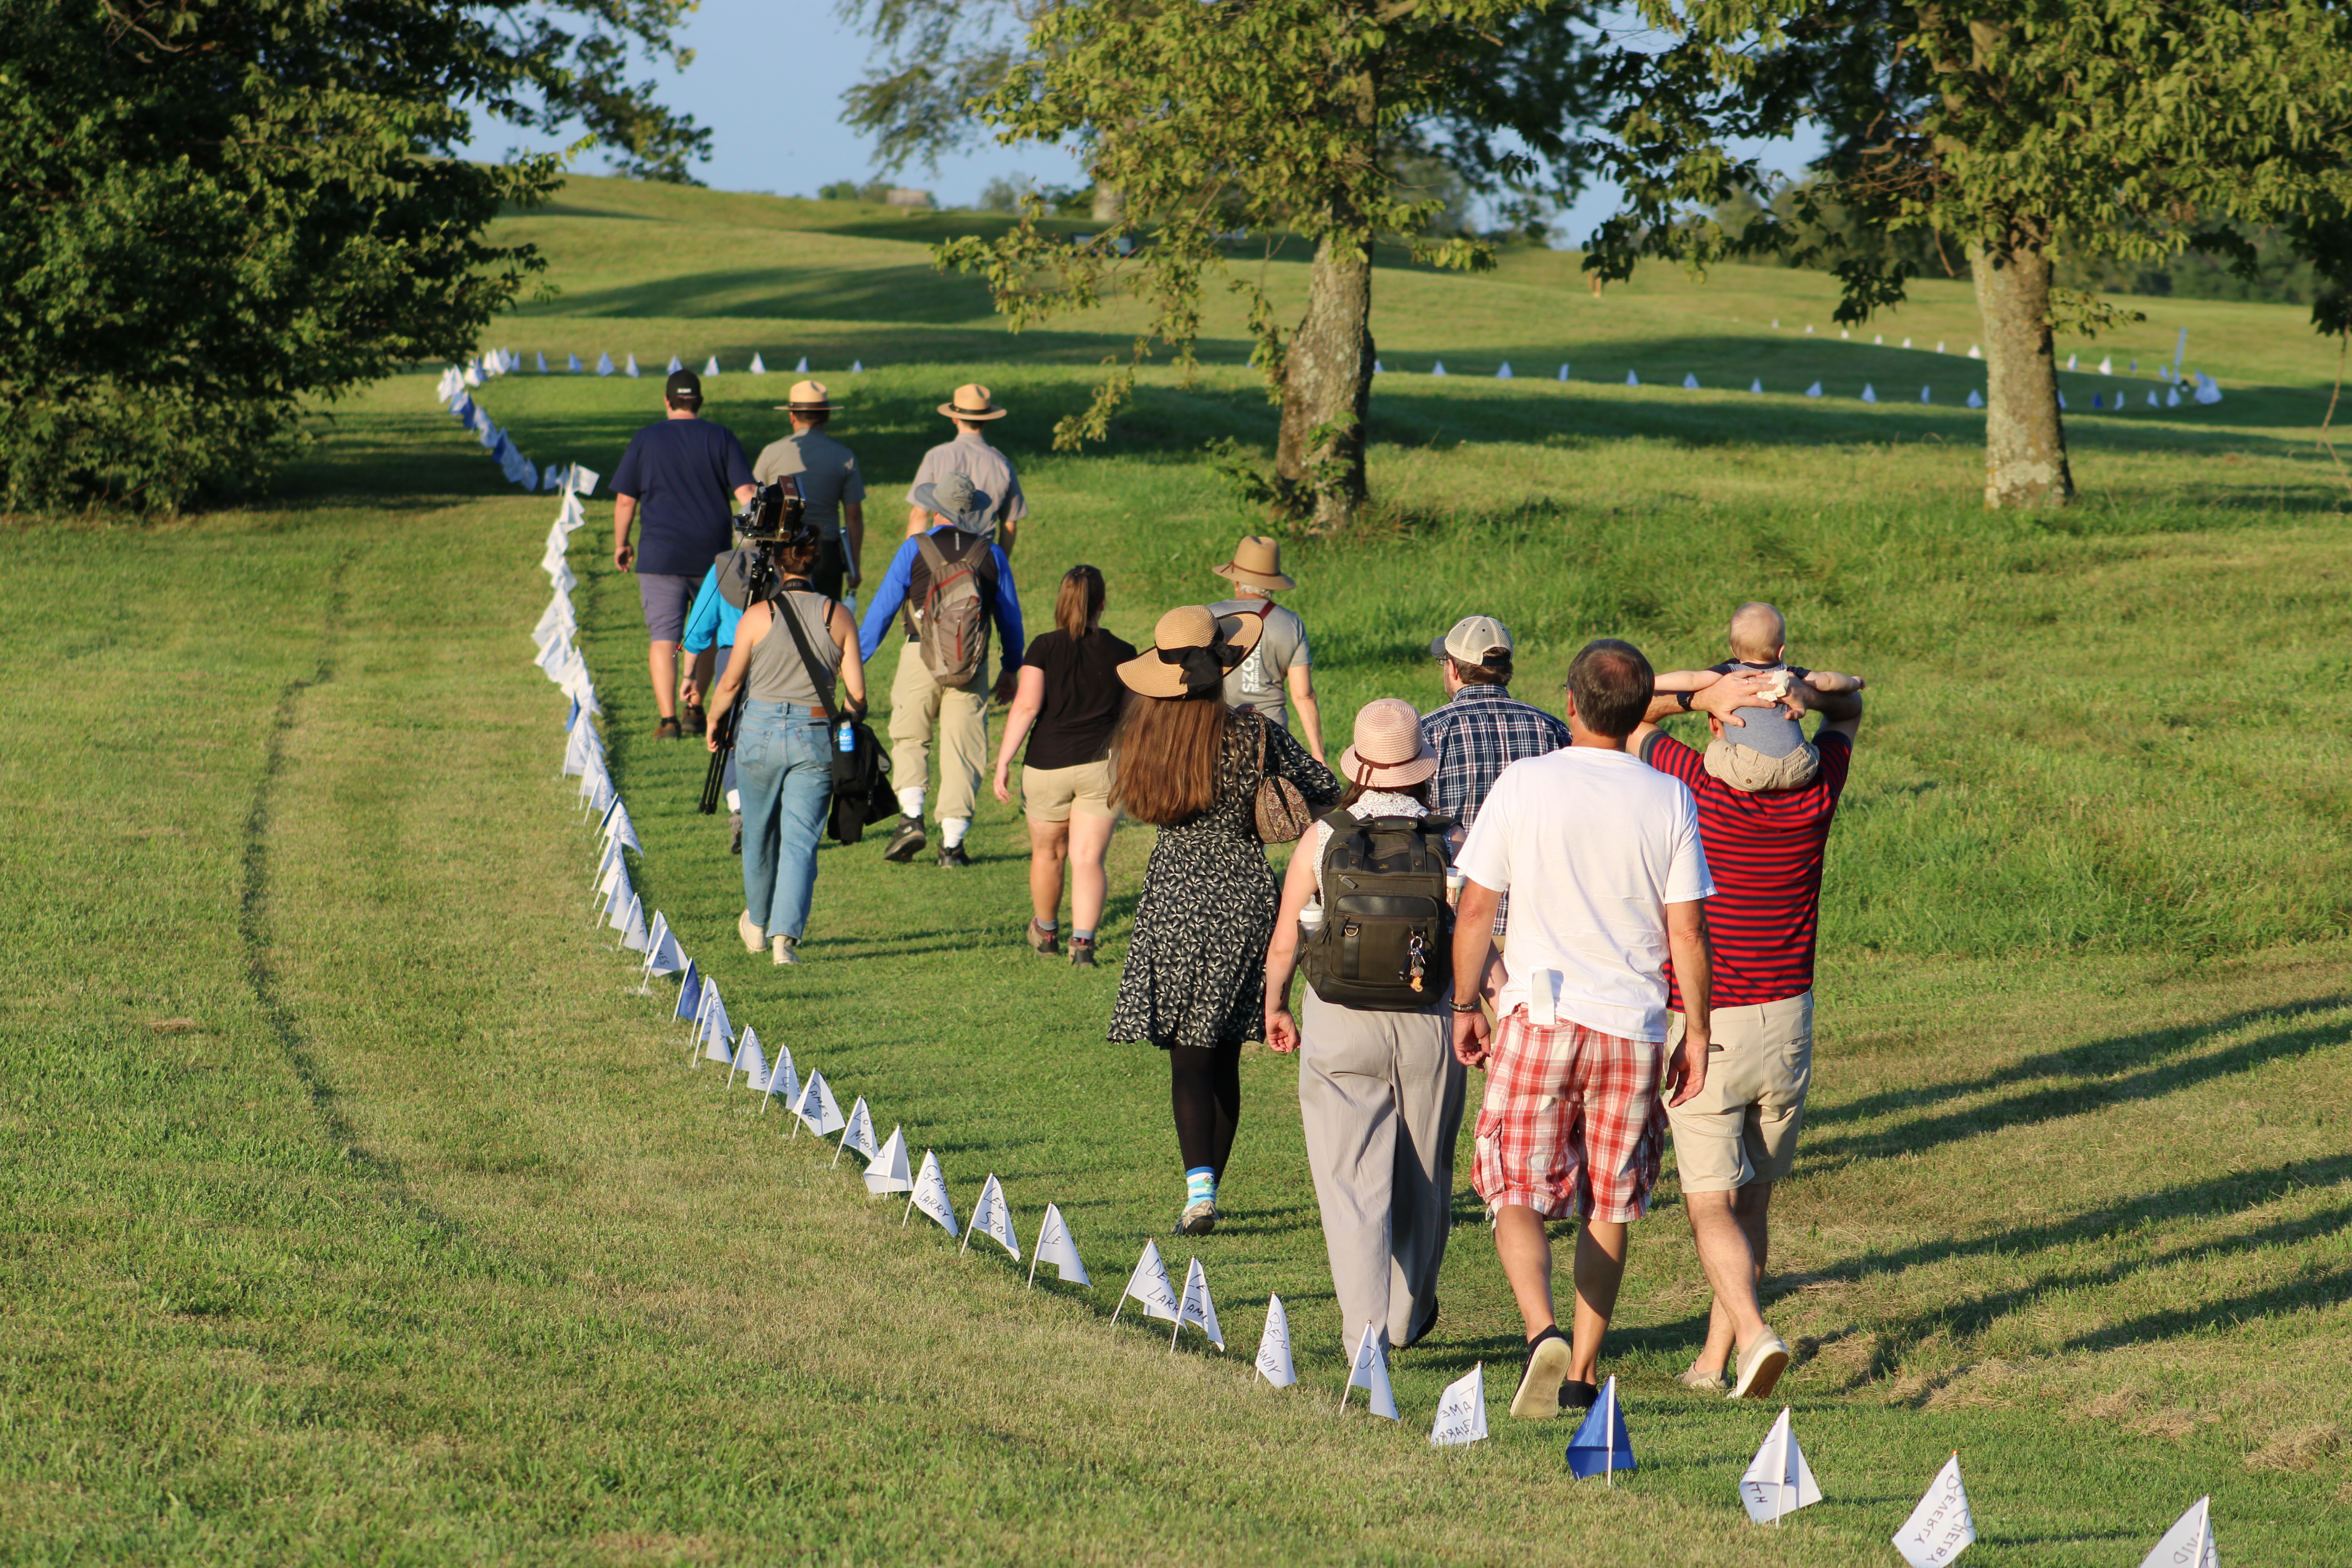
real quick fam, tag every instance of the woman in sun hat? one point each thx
(1194, 981)
(1278, 675)
(973, 409)
(1379, 1091)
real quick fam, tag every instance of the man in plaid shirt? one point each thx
(1482, 729)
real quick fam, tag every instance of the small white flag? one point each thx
(1844, 334)
(1632, 380)
(1927, 394)
(802, 368)
(888, 1171)
(2062, 402)
(574, 366)
(1055, 1246)
(1273, 1363)
(2152, 398)
(713, 368)
(783, 1081)
(675, 366)
(1778, 1482)
(2190, 1543)
(542, 361)
(1196, 1307)
(749, 1057)
(1976, 398)
(1690, 381)
(1462, 1410)
(931, 1195)
(584, 483)
(1563, 373)
(661, 955)
(1370, 1372)
(620, 829)
(857, 367)
(633, 366)
(1869, 393)
(1879, 337)
(2172, 398)
(1940, 1528)
(1975, 352)
(1438, 368)
(858, 1133)
(993, 1218)
(2069, 361)
(1379, 369)
(1809, 329)
(1756, 386)
(717, 1031)
(1814, 390)
(757, 368)
(1776, 323)
(1503, 374)
(632, 929)
(1149, 1284)
(1907, 342)
(816, 1109)
(1939, 345)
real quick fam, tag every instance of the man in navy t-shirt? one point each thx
(677, 478)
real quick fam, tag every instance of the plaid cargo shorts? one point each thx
(1571, 1121)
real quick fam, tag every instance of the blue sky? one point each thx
(768, 78)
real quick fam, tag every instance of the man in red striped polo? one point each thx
(1739, 1136)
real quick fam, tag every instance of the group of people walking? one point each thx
(1617, 928)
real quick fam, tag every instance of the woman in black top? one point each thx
(1066, 705)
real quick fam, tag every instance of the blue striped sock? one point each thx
(1200, 1185)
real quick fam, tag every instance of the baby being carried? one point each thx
(1768, 750)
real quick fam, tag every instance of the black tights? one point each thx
(1204, 1089)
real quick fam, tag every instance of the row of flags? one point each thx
(1778, 1482)
(501, 361)
(2203, 388)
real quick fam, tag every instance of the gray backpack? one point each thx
(953, 629)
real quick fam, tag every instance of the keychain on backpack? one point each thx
(1417, 959)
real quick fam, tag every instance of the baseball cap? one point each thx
(682, 383)
(1474, 639)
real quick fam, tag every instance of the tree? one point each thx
(212, 215)
(2008, 130)
(1290, 119)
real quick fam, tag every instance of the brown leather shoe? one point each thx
(695, 722)
(666, 729)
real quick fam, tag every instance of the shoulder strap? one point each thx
(781, 606)
(933, 557)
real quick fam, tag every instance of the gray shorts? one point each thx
(666, 601)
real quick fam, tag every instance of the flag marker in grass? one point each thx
(1632, 380)
(662, 954)
(675, 366)
(887, 1172)
(1370, 1372)
(1814, 390)
(816, 1109)
(542, 361)
(718, 1030)
(1869, 393)
(1941, 1527)
(713, 368)
(1690, 381)
(1975, 352)
(857, 1133)
(802, 368)
(1379, 369)
(1563, 373)
(1197, 1309)
(857, 367)
(689, 992)
(1939, 345)
(633, 372)
(1149, 1284)
(1273, 1363)
(1055, 1246)
(2190, 1543)
(1879, 340)
(931, 1196)
(757, 367)
(1927, 395)
(782, 1079)
(1601, 1446)
(749, 1057)
(574, 365)
(1756, 386)
(1438, 368)
(1503, 374)
(1462, 1410)
(993, 1218)
(632, 930)
(1778, 1482)
(1976, 398)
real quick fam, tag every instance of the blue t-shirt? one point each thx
(683, 474)
(712, 619)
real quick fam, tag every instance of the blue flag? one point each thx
(1590, 1452)
(689, 992)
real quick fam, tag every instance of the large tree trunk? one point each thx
(2025, 435)
(1327, 390)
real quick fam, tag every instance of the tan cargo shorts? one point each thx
(1750, 771)
(1742, 1127)
(1052, 795)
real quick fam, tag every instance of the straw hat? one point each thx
(973, 401)
(1389, 752)
(809, 397)
(1256, 564)
(1190, 652)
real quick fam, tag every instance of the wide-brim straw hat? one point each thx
(973, 401)
(1192, 651)
(809, 397)
(1256, 564)
(1389, 752)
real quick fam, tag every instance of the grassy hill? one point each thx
(357, 1210)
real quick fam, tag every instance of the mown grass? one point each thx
(356, 1211)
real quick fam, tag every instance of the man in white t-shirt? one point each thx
(1601, 857)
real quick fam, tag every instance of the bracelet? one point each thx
(1469, 1006)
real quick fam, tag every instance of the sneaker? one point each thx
(787, 950)
(1041, 939)
(1760, 1366)
(734, 833)
(1575, 1396)
(1198, 1219)
(953, 855)
(1082, 953)
(696, 723)
(906, 841)
(754, 939)
(1540, 1391)
(666, 729)
(1710, 1381)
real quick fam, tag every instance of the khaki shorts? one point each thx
(1051, 794)
(1750, 771)
(1742, 1127)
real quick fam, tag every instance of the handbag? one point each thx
(1281, 807)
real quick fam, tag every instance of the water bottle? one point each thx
(844, 738)
(1310, 919)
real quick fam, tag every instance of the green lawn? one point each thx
(356, 1210)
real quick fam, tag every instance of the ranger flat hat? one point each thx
(973, 401)
(809, 397)
(1256, 564)
(1190, 652)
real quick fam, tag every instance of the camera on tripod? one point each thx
(773, 519)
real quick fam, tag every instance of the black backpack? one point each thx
(1387, 940)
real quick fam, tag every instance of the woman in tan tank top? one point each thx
(783, 744)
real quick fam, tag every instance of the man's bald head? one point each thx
(1758, 633)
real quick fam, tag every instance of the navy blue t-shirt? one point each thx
(683, 474)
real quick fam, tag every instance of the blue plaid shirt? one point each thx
(1480, 732)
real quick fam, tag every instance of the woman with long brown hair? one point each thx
(1066, 706)
(1194, 983)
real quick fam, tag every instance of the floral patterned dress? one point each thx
(1195, 970)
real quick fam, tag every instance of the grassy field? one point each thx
(357, 1211)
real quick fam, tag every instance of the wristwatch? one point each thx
(1684, 698)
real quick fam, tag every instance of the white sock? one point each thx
(734, 800)
(911, 802)
(952, 829)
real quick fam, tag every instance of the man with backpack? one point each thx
(946, 586)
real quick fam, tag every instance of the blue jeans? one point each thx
(783, 760)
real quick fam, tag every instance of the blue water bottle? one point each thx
(844, 738)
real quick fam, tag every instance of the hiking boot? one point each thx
(1044, 941)
(1198, 1219)
(695, 722)
(1541, 1384)
(734, 833)
(953, 855)
(787, 950)
(666, 729)
(906, 841)
(1761, 1362)
(754, 939)
(1082, 953)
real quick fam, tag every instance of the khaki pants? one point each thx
(918, 705)
(1743, 1126)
